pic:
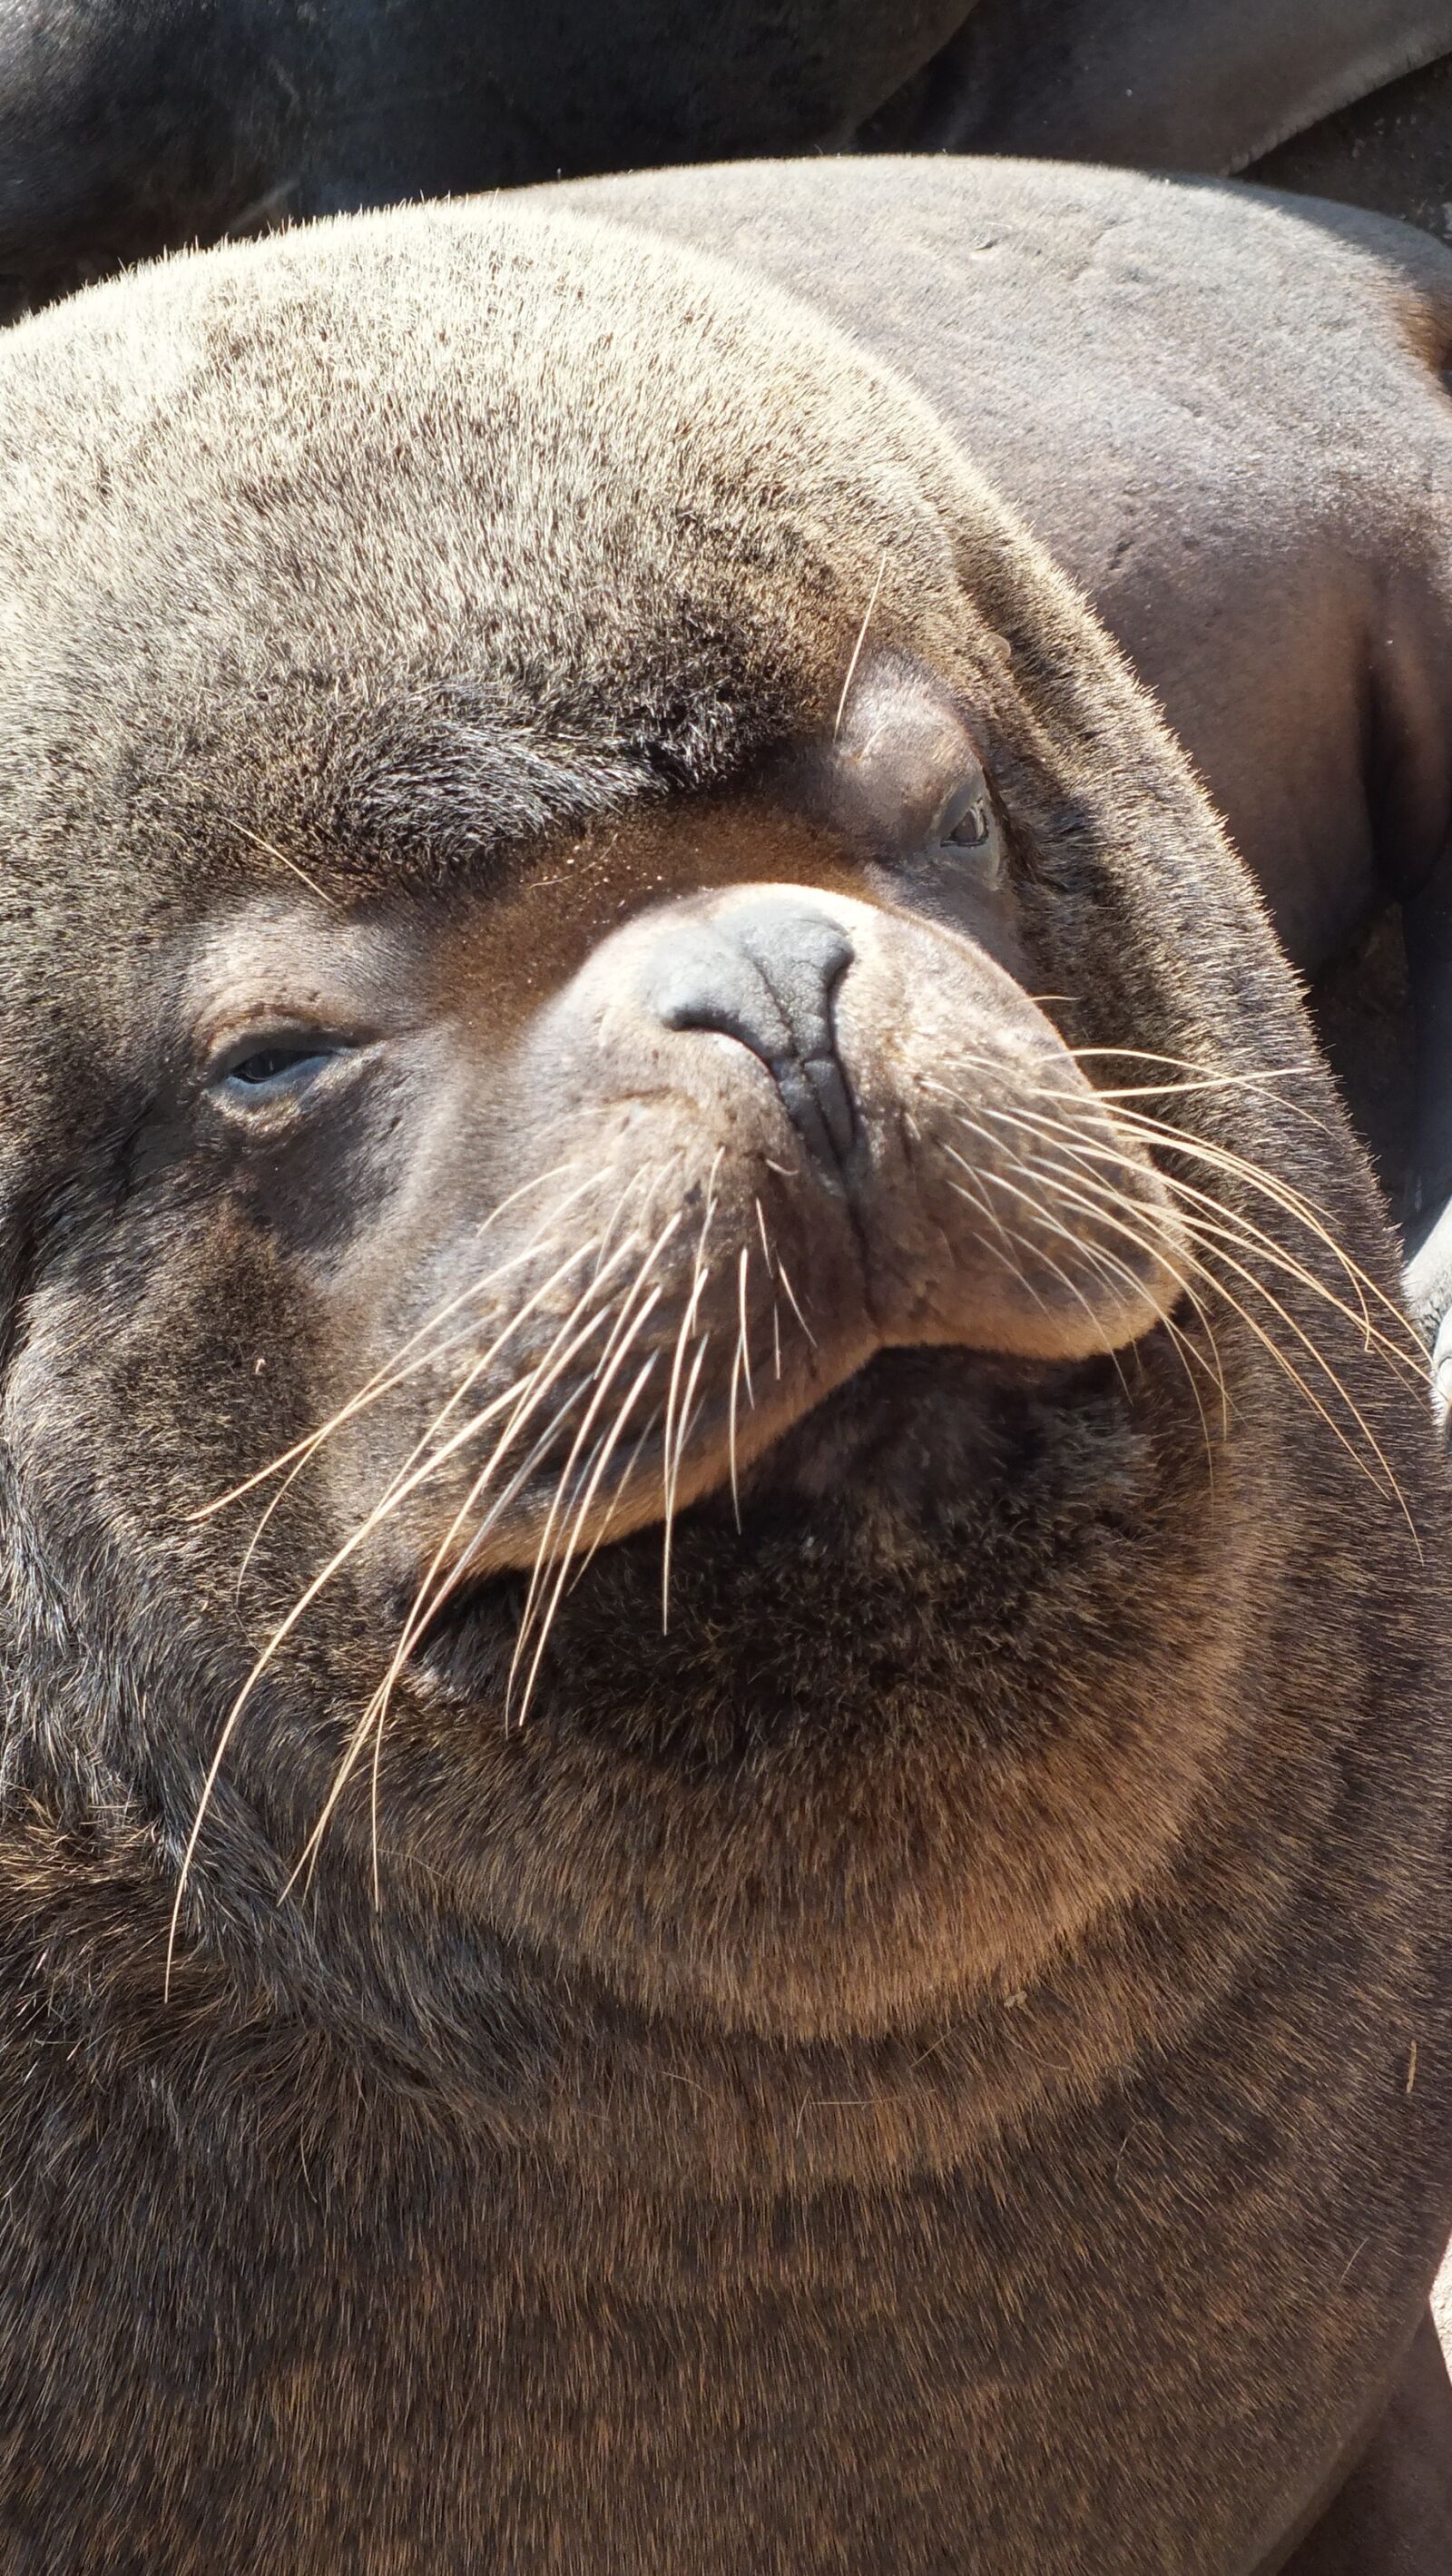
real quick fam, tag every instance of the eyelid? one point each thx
(968, 792)
(275, 1036)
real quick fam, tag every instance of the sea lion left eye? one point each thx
(965, 821)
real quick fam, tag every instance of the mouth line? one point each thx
(884, 1435)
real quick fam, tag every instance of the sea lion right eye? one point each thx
(275, 1064)
(273, 1070)
(966, 825)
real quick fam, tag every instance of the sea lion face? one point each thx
(721, 1080)
(596, 1342)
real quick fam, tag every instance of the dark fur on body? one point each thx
(940, 2058)
(128, 127)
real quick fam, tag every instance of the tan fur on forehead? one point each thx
(401, 503)
(502, 350)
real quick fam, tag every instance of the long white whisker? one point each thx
(606, 1452)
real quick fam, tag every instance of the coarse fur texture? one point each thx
(923, 2039)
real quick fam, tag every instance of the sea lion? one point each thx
(132, 126)
(128, 127)
(726, 1793)
(1224, 414)
(1210, 89)
(1305, 782)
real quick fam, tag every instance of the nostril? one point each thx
(766, 975)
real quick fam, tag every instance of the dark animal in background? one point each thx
(128, 127)
(1154, 88)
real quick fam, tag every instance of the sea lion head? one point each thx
(600, 1322)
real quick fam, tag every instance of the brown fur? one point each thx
(909, 2067)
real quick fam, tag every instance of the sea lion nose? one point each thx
(764, 972)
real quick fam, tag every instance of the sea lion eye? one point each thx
(965, 821)
(278, 1068)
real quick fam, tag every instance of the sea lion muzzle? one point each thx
(764, 973)
(775, 1129)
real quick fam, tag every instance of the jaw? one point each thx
(905, 1733)
(913, 1456)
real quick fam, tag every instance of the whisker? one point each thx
(601, 1391)
(1044, 1215)
(1229, 1227)
(688, 1321)
(390, 1502)
(667, 1473)
(857, 647)
(1292, 1203)
(1154, 1245)
(1323, 1363)
(792, 1299)
(645, 1176)
(427, 1601)
(744, 1344)
(339, 1558)
(374, 1714)
(977, 1196)
(479, 1365)
(1226, 1225)
(381, 1380)
(1391, 1487)
(741, 1357)
(1410, 1357)
(604, 1453)
(427, 1359)
(687, 1410)
(1111, 1206)
(1209, 1077)
(613, 1506)
(552, 1362)
(291, 865)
